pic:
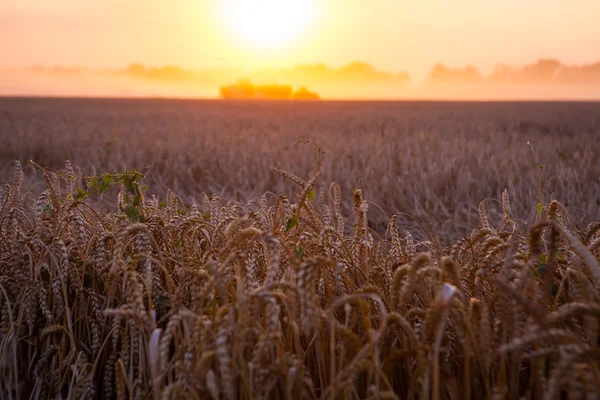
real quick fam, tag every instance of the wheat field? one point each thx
(434, 161)
(399, 255)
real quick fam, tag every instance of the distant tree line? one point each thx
(544, 70)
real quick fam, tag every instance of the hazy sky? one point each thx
(393, 35)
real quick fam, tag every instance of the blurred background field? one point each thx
(433, 160)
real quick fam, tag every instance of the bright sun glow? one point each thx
(268, 23)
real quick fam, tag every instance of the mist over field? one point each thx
(545, 79)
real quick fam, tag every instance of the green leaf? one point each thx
(543, 258)
(103, 186)
(137, 200)
(47, 208)
(539, 207)
(107, 178)
(132, 213)
(135, 175)
(311, 195)
(93, 183)
(291, 223)
(80, 194)
(539, 272)
(163, 204)
(128, 182)
(299, 252)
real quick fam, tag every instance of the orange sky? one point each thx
(393, 35)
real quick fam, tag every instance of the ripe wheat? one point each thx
(286, 299)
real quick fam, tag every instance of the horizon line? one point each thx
(4, 96)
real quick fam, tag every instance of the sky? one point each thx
(393, 35)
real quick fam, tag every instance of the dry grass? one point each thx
(288, 298)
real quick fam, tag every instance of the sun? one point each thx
(268, 23)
